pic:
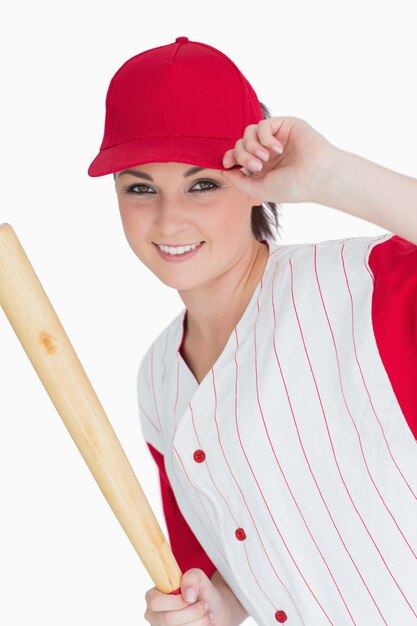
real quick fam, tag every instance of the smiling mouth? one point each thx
(179, 251)
(178, 245)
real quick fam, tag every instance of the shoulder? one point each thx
(150, 381)
(394, 270)
(157, 350)
(354, 249)
(393, 256)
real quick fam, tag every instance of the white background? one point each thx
(348, 68)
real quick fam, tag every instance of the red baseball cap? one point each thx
(185, 102)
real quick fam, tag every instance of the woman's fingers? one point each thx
(259, 138)
(159, 601)
(229, 158)
(242, 157)
(195, 614)
(253, 149)
(251, 144)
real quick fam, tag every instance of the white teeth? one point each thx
(179, 249)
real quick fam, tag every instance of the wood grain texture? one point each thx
(49, 349)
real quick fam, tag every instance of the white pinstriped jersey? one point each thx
(292, 461)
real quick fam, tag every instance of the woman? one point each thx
(279, 404)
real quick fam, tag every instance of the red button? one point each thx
(181, 39)
(240, 534)
(280, 616)
(199, 456)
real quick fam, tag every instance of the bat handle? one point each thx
(48, 347)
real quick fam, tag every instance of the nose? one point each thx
(171, 216)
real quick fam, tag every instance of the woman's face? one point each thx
(176, 204)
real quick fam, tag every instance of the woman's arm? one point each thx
(370, 191)
(237, 612)
(308, 168)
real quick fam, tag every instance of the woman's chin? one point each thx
(178, 283)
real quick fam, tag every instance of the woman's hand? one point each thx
(296, 175)
(206, 606)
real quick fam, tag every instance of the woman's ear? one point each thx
(256, 201)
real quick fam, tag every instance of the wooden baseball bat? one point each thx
(46, 343)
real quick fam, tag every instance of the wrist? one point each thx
(324, 178)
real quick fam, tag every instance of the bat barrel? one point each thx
(49, 349)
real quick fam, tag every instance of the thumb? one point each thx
(195, 584)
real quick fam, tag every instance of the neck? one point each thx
(215, 308)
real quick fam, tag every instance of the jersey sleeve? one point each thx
(148, 412)
(184, 544)
(394, 318)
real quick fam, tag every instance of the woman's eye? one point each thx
(205, 182)
(142, 189)
(133, 188)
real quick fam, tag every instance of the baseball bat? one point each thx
(54, 359)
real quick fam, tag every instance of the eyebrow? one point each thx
(190, 172)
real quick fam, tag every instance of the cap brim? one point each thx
(203, 151)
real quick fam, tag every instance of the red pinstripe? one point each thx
(198, 491)
(176, 394)
(368, 269)
(149, 419)
(153, 391)
(164, 358)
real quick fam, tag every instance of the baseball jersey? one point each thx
(292, 467)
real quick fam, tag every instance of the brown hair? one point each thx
(264, 217)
